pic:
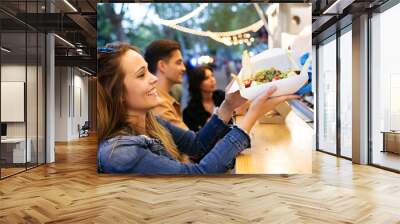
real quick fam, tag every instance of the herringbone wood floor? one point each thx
(70, 191)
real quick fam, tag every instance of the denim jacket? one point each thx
(216, 144)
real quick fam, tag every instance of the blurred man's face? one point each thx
(174, 67)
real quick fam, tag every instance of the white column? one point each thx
(50, 99)
(360, 90)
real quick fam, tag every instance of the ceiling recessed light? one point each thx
(70, 5)
(5, 49)
(64, 40)
(338, 6)
(86, 72)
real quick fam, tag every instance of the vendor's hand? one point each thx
(261, 105)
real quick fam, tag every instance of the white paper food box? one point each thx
(275, 57)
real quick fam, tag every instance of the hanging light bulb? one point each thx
(227, 41)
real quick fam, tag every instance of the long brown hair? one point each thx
(111, 109)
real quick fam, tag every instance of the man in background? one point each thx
(165, 60)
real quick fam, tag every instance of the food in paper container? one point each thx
(268, 75)
(271, 67)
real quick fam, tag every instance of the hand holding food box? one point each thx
(271, 67)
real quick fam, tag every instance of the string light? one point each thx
(227, 38)
(183, 18)
(234, 37)
(252, 28)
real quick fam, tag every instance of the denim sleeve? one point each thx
(138, 159)
(200, 143)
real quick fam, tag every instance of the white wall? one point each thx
(61, 103)
(81, 100)
(71, 93)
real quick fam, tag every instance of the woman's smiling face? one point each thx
(140, 85)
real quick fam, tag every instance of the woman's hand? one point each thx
(242, 109)
(234, 100)
(231, 102)
(261, 105)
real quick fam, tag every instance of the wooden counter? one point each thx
(278, 148)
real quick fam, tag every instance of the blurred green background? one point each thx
(131, 22)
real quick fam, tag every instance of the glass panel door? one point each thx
(346, 94)
(14, 153)
(327, 97)
(385, 85)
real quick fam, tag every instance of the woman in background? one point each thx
(204, 97)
